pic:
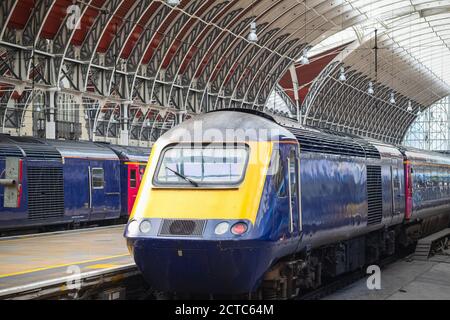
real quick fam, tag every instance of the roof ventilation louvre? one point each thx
(340, 144)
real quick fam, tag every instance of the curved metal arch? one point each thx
(259, 58)
(121, 38)
(112, 113)
(5, 99)
(268, 27)
(167, 42)
(61, 43)
(35, 23)
(303, 15)
(334, 99)
(227, 46)
(277, 32)
(182, 56)
(136, 115)
(30, 100)
(343, 118)
(210, 41)
(95, 33)
(6, 9)
(273, 69)
(189, 34)
(150, 111)
(269, 74)
(26, 99)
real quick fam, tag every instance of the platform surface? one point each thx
(35, 258)
(407, 279)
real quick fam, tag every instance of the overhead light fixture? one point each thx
(252, 36)
(38, 108)
(370, 89)
(86, 116)
(409, 109)
(342, 76)
(173, 3)
(392, 99)
(304, 59)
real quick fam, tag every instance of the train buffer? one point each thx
(88, 263)
(435, 242)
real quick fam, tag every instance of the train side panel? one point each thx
(334, 199)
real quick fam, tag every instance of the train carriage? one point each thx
(50, 182)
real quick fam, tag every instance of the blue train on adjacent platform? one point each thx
(50, 182)
(264, 207)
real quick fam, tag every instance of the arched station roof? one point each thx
(141, 60)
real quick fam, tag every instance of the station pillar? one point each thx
(124, 124)
(50, 125)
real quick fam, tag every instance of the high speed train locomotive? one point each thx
(255, 206)
(53, 182)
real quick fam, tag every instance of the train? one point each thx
(47, 183)
(243, 204)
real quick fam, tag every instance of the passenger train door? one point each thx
(397, 195)
(294, 191)
(135, 174)
(96, 188)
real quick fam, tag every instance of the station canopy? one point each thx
(143, 61)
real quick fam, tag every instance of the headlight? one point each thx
(239, 228)
(221, 228)
(133, 227)
(145, 226)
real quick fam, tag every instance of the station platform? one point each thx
(32, 260)
(407, 279)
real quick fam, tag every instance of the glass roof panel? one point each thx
(423, 35)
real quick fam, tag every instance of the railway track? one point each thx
(425, 249)
(346, 279)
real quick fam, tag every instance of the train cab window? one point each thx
(202, 166)
(133, 181)
(277, 173)
(98, 178)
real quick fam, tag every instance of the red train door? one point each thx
(133, 184)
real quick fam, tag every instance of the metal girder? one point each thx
(195, 57)
(98, 77)
(12, 116)
(6, 10)
(154, 66)
(35, 23)
(349, 108)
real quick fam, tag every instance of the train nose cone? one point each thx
(216, 267)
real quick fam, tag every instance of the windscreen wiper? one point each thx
(183, 177)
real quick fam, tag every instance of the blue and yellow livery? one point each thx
(237, 202)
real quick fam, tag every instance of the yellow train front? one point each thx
(202, 222)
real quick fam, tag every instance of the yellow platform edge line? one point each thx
(5, 275)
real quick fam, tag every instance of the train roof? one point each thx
(29, 147)
(131, 153)
(419, 155)
(46, 149)
(328, 141)
(218, 126)
(82, 149)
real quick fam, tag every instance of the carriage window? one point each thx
(202, 165)
(133, 178)
(98, 178)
